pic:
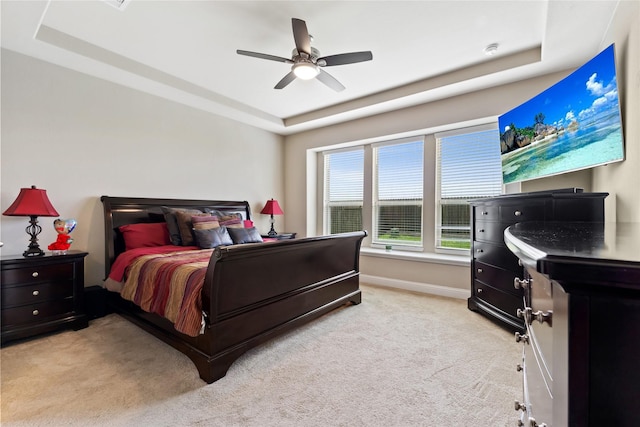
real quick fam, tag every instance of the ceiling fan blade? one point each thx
(264, 56)
(345, 58)
(285, 80)
(301, 35)
(329, 80)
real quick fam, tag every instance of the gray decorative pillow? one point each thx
(245, 235)
(172, 222)
(212, 237)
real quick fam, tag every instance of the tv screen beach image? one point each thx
(573, 125)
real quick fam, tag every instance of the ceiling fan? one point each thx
(306, 60)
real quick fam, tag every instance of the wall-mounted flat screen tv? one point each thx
(573, 125)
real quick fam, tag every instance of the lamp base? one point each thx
(272, 232)
(31, 252)
(33, 230)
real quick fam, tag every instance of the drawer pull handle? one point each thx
(36, 312)
(34, 274)
(534, 423)
(481, 230)
(522, 337)
(517, 213)
(479, 251)
(479, 270)
(485, 213)
(520, 283)
(525, 314)
(543, 317)
(36, 293)
(479, 290)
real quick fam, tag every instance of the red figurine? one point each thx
(63, 242)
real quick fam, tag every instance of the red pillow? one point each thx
(145, 235)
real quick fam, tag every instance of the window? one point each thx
(343, 190)
(398, 193)
(468, 167)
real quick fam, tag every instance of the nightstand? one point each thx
(42, 294)
(280, 236)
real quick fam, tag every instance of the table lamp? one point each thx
(32, 202)
(272, 208)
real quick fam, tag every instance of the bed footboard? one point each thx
(254, 292)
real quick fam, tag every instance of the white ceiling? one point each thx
(422, 50)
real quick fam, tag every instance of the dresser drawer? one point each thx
(496, 255)
(497, 277)
(503, 301)
(539, 298)
(486, 231)
(513, 213)
(36, 274)
(486, 213)
(510, 213)
(539, 389)
(35, 313)
(36, 293)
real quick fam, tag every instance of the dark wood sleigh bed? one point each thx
(251, 292)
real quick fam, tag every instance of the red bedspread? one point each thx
(169, 284)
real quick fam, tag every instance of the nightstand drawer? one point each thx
(35, 313)
(36, 274)
(36, 293)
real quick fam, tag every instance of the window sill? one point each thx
(430, 257)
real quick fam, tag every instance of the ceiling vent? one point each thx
(118, 4)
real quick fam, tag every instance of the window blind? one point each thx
(468, 167)
(344, 188)
(398, 193)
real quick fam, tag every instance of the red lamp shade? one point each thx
(272, 208)
(32, 202)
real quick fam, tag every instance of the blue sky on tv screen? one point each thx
(579, 96)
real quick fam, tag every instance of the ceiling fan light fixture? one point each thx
(305, 70)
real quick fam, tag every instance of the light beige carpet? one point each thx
(397, 359)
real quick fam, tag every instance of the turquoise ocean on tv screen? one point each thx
(597, 144)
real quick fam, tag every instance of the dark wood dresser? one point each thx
(493, 266)
(582, 313)
(42, 294)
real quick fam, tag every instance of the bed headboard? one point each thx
(131, 210)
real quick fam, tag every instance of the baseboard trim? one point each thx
(426, 288)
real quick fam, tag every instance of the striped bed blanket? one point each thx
(169, 284)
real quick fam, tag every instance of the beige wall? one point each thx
(80, 137)
(427, 118)
(621, 179)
